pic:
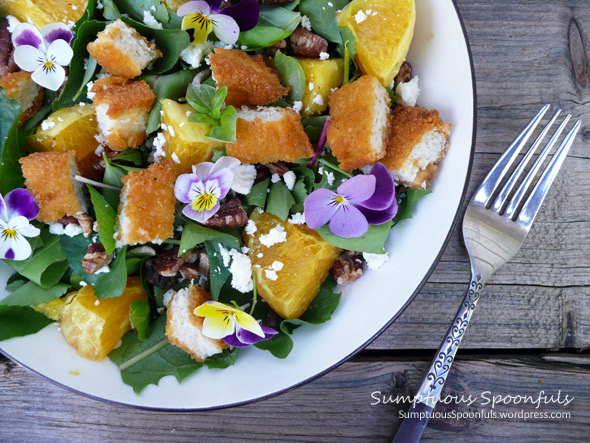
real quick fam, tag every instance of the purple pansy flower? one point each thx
(358, 202)
(242, 337)
(16, 209)
(43, 53)
(209, 184)
(202, 17)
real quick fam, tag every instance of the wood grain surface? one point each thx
(529, 333)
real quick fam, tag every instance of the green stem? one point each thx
(255, 296)
(143, 354)
(346, 64)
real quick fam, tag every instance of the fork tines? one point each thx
(523, 203)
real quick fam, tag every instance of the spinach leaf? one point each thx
(292, 74)
(89, 71)
(110, 11)
(129, 155)
(17, 321)
(222, 360)
(313, 126)
(194, 234)
(323, 16)
(11, 144)
(278, 17)
(406, 202)
(112, 176)
(170, 41)
(279, 346)
(31, 294)
(261, 37)
(139, 315)
(280, 200)
(145, 362)
(136, 8)
(105, 216)
(258, 194)
(75, 249)
(46, 266)
(112, 284)
(172, 86)
(299, 193)
(218, 271)
(373, 241)
(77, 71)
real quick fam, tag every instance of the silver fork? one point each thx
(496, 223)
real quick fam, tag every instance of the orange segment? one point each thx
(383, 30)
(94, 327)
(44, 12)
(186, 143)
(306, 260)
(69, 129)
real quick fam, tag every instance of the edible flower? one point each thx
(209, 184)
(16, 209)
(43, 53)
(358, 202)
(233, 325)
(201, 17)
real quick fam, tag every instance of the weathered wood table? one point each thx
(528, 337)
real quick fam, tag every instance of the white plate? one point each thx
(440, 56)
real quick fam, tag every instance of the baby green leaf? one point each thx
(292, 74)
(18, 321)
(31, 294)
(112, 284)
(139, 315)
(218, 271)
(106, 217)
(201, 97)
(373, 241)
(11, 145)
(258, 194)
(136, 9)
(145, 362)
(197, 117)
(222, 360)
(323, 16)
(217, 102)
(194, 234)
(279, 17)
(225, 130)
(280, 200)
(279, 346)
(262, 37)
(110, 11)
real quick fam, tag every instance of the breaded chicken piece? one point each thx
(122, 110)
(123, 51)
(146, 211)
(49, 176)
(267, 135)
(418, 140)
(249, 80)
(29, 95)
(185, 330)
(359, 112)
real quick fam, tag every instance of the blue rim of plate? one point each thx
(458, 212)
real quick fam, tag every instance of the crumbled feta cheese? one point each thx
(71, 230)
(167, 297)
(74, 7)
(306, 22)
(150, 20)
(360, 17)
(330, 177)
(245, 249)
(46, 124)
(275, 178)
(241, 270)
(274, 236)
(407, 93)
(330, 4)
(194, 54)
(158, 147)
(297, 218)
(99, 150)
(103, 270)
(244, 178)
(297, 106)
(224, 256)
(97, 302)
(289, 177)
(179, 228)
(181, 124)
(83, 283)
(311, 85)
(324, 56)
(187, 113)
(277, 265)
(171, 131)
(81, 104)
(260, 255)
(318, 100)
(375, 261)
(175, 158)
(271, 275)
(250, 227)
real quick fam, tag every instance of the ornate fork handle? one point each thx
(429, 392)
(428, 395)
